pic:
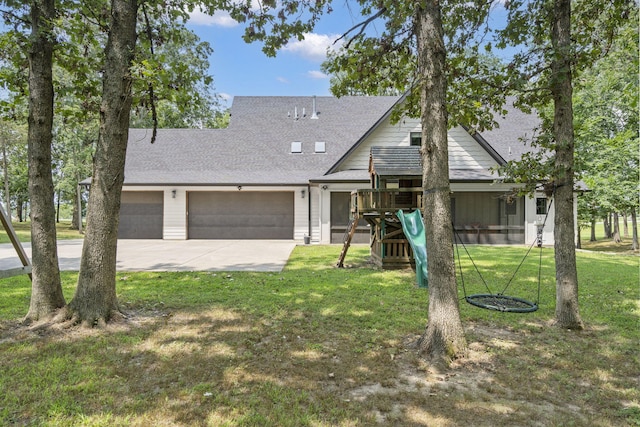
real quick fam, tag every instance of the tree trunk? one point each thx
(593, 230)
(5, 173)
(567, 314)
(46, 289)
(616, 228)
(19, 212)
(74, 215)
(625, 224)
(634, 230)
(95, 299)
(443, 339)
(579, 239)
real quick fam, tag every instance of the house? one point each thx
(286, 166)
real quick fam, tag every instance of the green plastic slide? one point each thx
(413, 228)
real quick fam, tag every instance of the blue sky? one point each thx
(241, 69)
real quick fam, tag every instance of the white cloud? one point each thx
(219, 19)
(318, 75)
(313, 47)
(225, 96)
(282, 80)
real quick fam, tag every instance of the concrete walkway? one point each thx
(174, 255)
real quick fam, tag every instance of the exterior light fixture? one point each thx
(239, 187)
(302, 193)
(173, 193)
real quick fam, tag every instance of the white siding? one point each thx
(175, 214)
(531, 220)
(316, 193)
(301, 213)
(464, 151)
(385, 135)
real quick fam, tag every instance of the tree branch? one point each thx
(362, 25)
(152, 100)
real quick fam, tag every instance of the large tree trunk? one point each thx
(46, 289)
(593, 230)
(567, 314)
(443, 339)
(95, 299)
(616, 228)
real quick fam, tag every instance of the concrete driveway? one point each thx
(175, 255)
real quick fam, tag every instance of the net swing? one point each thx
(500, 301)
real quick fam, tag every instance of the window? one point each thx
(296, 147)
(415, 139)
(541, 205)
(393, 183)
(321, 147)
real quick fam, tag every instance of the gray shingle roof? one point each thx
(256, 147)
(396, 161)
(512, 137)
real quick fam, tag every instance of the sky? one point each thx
(241, 69)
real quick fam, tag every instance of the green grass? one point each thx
(23, 231)
(319, 346)
(605, 244)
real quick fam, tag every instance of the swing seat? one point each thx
(502, 303)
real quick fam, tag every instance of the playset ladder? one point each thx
(348, 235)
(11, 232)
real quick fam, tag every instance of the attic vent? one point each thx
(321, 147)
(296, 147)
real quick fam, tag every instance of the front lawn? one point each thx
(320, 346)
(23, 231)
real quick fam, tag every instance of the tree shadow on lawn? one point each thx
(219, 365)
(310, 346)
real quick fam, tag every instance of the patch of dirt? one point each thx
(473, 375)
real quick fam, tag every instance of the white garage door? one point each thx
(240, 215)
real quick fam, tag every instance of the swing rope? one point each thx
(500, 301)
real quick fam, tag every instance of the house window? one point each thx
(296, 147)
(510, 207)
(321, 147)
(541, 205)
(415, 139)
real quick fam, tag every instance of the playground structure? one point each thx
(390, 248)
(478, 216)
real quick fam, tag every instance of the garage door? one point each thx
(141, 215)
(241, 215)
